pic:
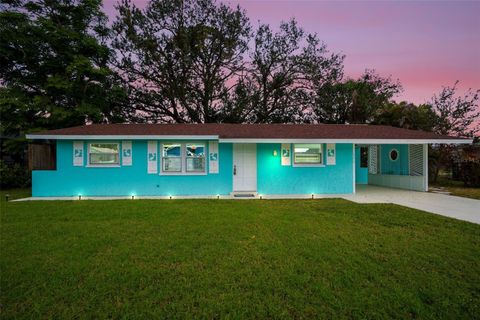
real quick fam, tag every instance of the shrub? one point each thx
(470, 172)
(14, 176)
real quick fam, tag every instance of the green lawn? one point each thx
(456, 188)
(235, 259)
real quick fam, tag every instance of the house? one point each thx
(224, 160)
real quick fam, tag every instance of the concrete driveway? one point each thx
(445, 205)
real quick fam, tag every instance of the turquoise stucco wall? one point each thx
(398, 167)
(361, 174)
(273, 178)
(69, 180)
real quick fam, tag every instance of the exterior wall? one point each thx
(397, 167)
(361, 174)
(273, 178)
(69, 180)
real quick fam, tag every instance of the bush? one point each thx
(14, 176)
(470, 172)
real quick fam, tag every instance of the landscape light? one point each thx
(218, 196)
(170, 197)
(312, 195)
(261, 197)
(6, 197)
(79, 197)
(133, 197)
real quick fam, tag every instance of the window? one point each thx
(307, 154)
(103, 154)
(393, 154)
(183, 158)
(195, 157)
(172, 157)
(363, 157)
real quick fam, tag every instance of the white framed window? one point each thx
(104, 154)
(172, 157)
(183, 158)
(308, 154)
(195, 157)
(393, 154)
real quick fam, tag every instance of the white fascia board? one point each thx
(356, 141)
(118, 137)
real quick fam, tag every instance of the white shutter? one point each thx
(127, 153)
(331, 156)
(78, 153)
(416, 159)
(152, 157)
(373, 159)
(213, 158)
(286, 154)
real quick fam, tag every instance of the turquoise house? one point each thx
(226, 160)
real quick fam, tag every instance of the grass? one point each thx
(456, 188)
(235, 259)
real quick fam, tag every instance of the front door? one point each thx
(244, 167)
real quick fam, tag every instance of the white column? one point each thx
(425, 166)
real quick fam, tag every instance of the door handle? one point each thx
(234, 169)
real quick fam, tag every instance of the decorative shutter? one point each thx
(331, 157)
(286, 154)
(78, 153)
(373, 159)
(152, 157)
(213, 157)
(127, 153)
(416, 159)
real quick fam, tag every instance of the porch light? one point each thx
(274, 153)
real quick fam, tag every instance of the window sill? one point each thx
(313, 165)
(183, 173)
(103, 166)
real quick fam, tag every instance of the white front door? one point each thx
(244, 167)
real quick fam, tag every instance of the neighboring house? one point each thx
(213, 160)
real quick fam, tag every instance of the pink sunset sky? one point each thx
(426, 45)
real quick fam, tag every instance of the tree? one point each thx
(54, 67)
(456, 115)
(285, 66)
(180, 57)
(353, 101)
(407, 115)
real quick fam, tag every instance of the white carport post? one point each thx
(425, 166)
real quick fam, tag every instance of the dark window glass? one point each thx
(363, 157)
(393, 155)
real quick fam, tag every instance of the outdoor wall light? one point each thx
(274, 153)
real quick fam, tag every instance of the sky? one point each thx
(424, 44)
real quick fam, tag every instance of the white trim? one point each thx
(120, 137)
(425, 166)
(245, 140)
(356, 141)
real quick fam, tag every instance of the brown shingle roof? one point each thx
(253, 131)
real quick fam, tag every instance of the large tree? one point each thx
(353, 100)
(54, 66)
(180, 57)
(284, 68)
